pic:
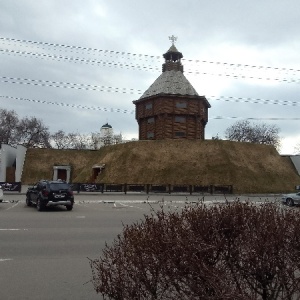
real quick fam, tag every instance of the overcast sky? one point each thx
(79, 64)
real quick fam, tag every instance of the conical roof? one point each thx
(106, 126)
(170, 82)
(173, 49)
(173, 54)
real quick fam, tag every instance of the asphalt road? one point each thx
(44, 255)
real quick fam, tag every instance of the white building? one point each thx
(11, 158)
(107, 136)
(106, 130)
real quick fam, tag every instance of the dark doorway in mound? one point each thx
(62, 173)
(97, 169)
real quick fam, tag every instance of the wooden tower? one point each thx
(171, 108)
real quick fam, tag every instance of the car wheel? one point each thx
(39, 205)
(69, 207)
(28, 202)
(290, 202)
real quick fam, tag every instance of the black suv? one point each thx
(50, 193)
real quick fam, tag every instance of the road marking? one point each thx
(12, 206)
(130, 206)
(5, 259)
(12, 229)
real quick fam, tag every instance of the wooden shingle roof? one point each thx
(170, 82)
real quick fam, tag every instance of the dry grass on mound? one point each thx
(39, 162)
(248, 167)
(243, 165)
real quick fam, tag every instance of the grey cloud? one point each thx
(269, 28)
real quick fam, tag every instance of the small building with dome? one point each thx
(106, 129)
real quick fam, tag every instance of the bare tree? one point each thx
(77, 141)
(297, 149)
(216, 137)
(111, 139)
(32, 133)
(117, 138)
(8, 127)
(60, 140)
(95, 141)
(244, 131)
(71, 140)
(107, 138)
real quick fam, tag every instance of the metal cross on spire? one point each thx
(173, 39)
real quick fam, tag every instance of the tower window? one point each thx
(150, 120)
(180, 119)
(148, 105)
(150, 135)
(181, 104)
(179, 133)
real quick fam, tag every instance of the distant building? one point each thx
(11, 162)
(106, 136)
(171, 108)
(106, 129)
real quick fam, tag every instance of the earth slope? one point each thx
(250, 168)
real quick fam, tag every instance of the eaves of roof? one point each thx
(170, 82)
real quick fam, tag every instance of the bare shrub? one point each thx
(259, 133)
(233, 251)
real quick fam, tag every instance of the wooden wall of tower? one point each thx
(172, 117)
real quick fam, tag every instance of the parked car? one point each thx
(50, 193)
(1, 195)
(291, 199)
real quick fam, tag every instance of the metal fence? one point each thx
(151, 188)
(138, 188)
(11, 186)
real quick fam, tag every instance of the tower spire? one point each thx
(172, 57)
(173, 39)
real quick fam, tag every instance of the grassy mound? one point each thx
(248, 167)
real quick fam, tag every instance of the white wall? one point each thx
(8, 156)
(296, 161)
(20, 159)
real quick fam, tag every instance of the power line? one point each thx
(254, 100)
(243, 65)
(78, 60)
(67, 85)
(77, 106)
(137, 66)
(285, 80)
(85, 49)
(127, 111)
(67, 47)
(145, 67)
(110, 89)
(254, 118)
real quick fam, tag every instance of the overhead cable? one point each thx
(127, 111)
(69, 47)
(78, 60)
(89, 49)
(78, 106)
(109, 89)
(67, 85)
(126, 65)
